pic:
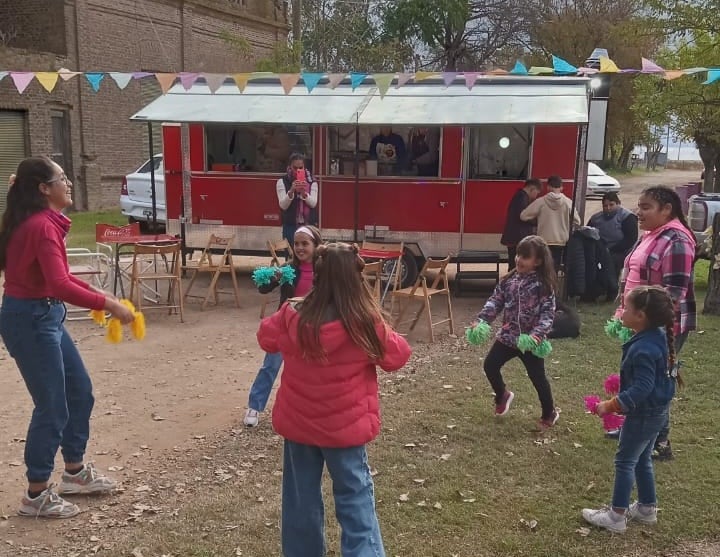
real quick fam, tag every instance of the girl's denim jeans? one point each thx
(303, 512)
(633, 460)
(264, 381)
(56, 378)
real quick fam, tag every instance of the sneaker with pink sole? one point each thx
(503, 407)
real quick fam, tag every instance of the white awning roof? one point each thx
(503, 101)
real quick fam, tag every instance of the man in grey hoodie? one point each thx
(552, 212)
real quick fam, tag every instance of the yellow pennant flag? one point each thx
(607, 65)
(383, 81)
(288, 81)
(47, 79)
(241, 80)
(419, 76)
(166, 80)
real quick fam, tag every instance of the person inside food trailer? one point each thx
(424, 151)
(388, 149)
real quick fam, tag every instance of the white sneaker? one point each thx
(47, 505)
(644, 514)
(606, 518)
(252, 418)
(86, 481)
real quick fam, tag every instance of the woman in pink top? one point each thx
(664, 256)
(327, 407)
(37, 283)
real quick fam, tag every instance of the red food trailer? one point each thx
(446, 158)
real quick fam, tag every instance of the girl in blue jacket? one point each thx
(647, 385)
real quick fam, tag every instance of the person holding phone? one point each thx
(297, 194)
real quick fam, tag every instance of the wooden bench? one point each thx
(477, 257)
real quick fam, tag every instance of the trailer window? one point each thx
(500, 152)
(385, 151)
(233, 148)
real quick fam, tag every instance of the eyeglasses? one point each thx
(64, 179)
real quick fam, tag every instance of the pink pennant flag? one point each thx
(188, 79)
(214, 81)
(448, 78)
(22, 80)
(166, 81)
(288, 81)
(402, 79)
(334, 79)
(470, 79)
(648, 66)
(673, 74)
(66, 74)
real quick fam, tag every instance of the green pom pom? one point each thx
(478, 334)
(264, 275)
(288, 274)
(612, 327)
(625, 334)
(526, 343)
(543, 350)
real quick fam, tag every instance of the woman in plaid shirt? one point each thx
(664, 256)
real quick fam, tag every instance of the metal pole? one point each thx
(357, 176)
(152, 177)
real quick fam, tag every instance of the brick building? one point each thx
(90, 133)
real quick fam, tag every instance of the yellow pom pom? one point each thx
(98, 316)
(114, 333)
(138, 326)
(128, 304)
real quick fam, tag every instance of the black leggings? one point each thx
(499, 355)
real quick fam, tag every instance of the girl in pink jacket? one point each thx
(327, 406)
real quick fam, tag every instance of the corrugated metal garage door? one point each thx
(13, 148)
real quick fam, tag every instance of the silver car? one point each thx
(136, 195)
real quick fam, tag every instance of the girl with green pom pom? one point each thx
(306, 241)
(526, 296)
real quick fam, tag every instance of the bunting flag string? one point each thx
(48, 80)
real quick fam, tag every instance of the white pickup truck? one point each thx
(701, 212)
(136, 195)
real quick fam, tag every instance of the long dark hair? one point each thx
(659, 310)
(339, 292)
(535, 246)
(663, 195)
(24, 198)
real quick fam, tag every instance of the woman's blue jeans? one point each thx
(56, 379)
(264, 381)
(303, 512)
(633, 460)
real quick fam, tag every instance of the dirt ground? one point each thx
(157, 398)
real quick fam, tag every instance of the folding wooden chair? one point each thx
(389, 255)
(422, 292)
(217, 259)
(372, 273)
(275, 248)
(165, 266)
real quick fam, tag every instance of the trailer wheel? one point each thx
(408, 270)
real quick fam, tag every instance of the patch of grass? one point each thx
(82, 233)
(469, 480)
(702, 271)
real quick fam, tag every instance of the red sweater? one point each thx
(37, 266)
(332, 404)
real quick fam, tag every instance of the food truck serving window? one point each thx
(255, 148)
(385, 151)
(500, 151)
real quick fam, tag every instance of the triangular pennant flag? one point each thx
(420, 76)
(402, 79)
(66, 74)
(691, 71)
(712, 77)
(539, 70)
(121, 79)
(188, 79)
(562, 67)
(140, 75)
(335, 79)
(383, 81)
(311, 79)
(448, 78)
(608, 66)
(47, 80)
(470, 79)
(356, 79)
(519, 69)
(648, 66)
(498, 71)
(214, 81)
(94, 79)
(588, 71)
(166, 81)
(288, 81)
(22, 80)
(673, 74)
(2, 75)
(241, 80)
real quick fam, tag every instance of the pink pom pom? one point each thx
(612, 384)
(612, 422)
(591, 403)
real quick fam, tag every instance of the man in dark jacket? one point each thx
(516, 229)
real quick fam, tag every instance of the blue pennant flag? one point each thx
(94, 79)
(712, 77)
(356, 79)
(311, 80)
(562, 67)
(519, 69)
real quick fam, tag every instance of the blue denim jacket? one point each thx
(646, 388)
